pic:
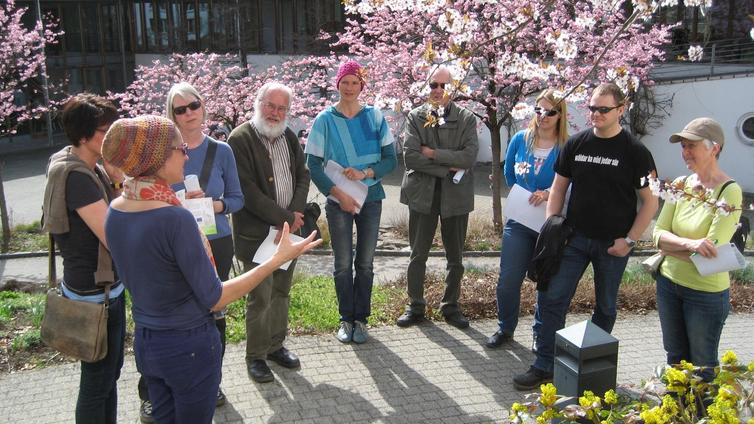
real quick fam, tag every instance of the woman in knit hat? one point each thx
(77, 193)
(356, 137)
(167, 265)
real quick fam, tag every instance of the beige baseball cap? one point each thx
(701, 129)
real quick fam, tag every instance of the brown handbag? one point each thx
(75, 328)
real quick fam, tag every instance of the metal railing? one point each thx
(718, 57)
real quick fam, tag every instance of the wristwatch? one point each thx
(631, 242)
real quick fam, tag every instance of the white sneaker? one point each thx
(360, 333)
(345, 332)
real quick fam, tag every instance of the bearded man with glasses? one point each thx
(606, 169)
(275, 183)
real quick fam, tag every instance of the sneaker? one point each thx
(360, 333)
(345, 332)
(531, 379)
(220, 398)
(145, 412)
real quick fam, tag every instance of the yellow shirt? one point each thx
(694, 221)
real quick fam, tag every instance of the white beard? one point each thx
(267, 130)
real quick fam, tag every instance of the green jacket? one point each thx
(456, 145)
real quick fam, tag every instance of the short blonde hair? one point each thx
(184, 90)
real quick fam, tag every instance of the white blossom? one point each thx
(696, 53)
(700, 3)
(522, 111)
(585, 22)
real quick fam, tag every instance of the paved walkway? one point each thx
(430, 373)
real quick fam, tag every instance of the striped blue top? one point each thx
(361, 142)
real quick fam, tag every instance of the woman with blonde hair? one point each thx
(529, 162)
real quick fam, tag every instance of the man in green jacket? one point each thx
(275, 183)
(438, 183)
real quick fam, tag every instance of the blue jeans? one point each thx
(691, 323)
(182, 371)
(553, 303)
(98, 388)
(354, 291)
(516, 253)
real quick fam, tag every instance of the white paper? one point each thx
(729, 258)
(204, 213)
(518, 208)
(268, 247)
(356, 189)
(458, 175)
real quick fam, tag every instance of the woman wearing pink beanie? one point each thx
(357, 138)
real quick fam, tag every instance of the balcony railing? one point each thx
(718, 58)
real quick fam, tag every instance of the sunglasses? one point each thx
(183, 148)
(544, 112)
(180, 110)
(434, 85)
(603, 109)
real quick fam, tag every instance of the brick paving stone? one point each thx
(432, 372)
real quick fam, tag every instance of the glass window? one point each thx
(110, 27)
(268, 30)
(90, 18)
(138, 25)
(161, 25)
(72, 28)
(94, 80)
(177, 26)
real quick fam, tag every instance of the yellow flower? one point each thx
(722, 412)
(676, 380)
(549, 394)
(610, 397)
(669, 405)
(726, 393)
(750, 368)
(541, 420)
(518, 408)
(654, 416)
(688, 366)
(730, 358)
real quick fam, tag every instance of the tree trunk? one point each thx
(4, 213)
(495, 143)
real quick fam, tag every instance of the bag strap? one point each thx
(52, 279)
(725, 184)
(209, 160)
(104, 275)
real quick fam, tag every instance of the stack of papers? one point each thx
(268, 247)
(356, 189)
(728, 258)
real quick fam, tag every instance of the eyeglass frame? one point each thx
(276, 108)
(540, 111)
(182, 148)
(603, 110)
(434, 84)
(180, 110)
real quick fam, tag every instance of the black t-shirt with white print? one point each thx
(605, 174)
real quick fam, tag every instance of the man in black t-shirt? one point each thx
(605, 167)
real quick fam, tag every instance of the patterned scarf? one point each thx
(153, 188)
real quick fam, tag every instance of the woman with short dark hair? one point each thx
(77, 193)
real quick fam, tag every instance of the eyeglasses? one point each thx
(603, 109)
(433, 85)
(180, 110)
(183, 148)
(273, 106)
(544, 112)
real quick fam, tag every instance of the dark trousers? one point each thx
(421, 232)
(98, 389)
(222, 250)
(182, 369)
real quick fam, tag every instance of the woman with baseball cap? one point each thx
(693, 307)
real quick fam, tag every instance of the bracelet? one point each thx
(117, 186)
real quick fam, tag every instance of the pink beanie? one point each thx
(351, 67)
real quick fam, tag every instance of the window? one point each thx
(745, 128)
(90, 17)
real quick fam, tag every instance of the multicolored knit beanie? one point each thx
(351, 67)
(140, 146)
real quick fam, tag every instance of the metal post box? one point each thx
(586, 358)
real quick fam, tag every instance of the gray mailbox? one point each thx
(586, 358)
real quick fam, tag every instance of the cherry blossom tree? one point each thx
(228, 92)
(500, 52)
(22, 61)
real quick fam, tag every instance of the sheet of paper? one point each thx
(356, 189)
(728, 259)
(268, 247)
(518, 208)
(203, 212)
(458, 176)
